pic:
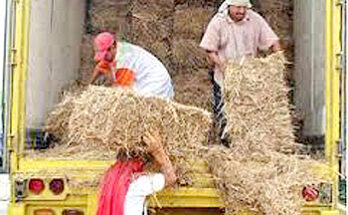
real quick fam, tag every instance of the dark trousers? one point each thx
(219, 123)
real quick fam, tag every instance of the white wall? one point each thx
(309, 33)
(56, 28)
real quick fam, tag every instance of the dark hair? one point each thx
(124, 154)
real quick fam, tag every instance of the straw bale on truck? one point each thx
(257, 106)
(261, 164)
(104, 121)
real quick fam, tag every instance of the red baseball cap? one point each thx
(103, 41)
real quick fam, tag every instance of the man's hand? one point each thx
(94, 76)
(276, 47)
(100, 70)
(217, 60)
(153, 141)
(170, 176)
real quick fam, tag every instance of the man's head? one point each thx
(236, 8)
(105, 46)
(237, 13)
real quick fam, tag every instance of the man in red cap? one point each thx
(106, 50)
(125, 64)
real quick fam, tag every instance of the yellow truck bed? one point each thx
(81, 190)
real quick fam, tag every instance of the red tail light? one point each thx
(310, 193)
(57, 186)
(36, 185)
(72, 212)
(44, 212)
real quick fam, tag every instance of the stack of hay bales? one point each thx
(279, 15)
(105, 15)
(102, 9)
(261, 171)
(191, 77)
(190, 23)
(193, 88)
(151, 27)
(171, 30)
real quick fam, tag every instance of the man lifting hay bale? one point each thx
(233, 33)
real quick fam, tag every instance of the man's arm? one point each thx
(94, 76)
(268, 39)
(102, 69)
(211, 41)
(216, 60)
(154, 145)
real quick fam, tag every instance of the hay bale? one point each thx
(162, 8)
(58, 119)
(152, 33)
(191, 22)
(279, 15)
(103, 120)
(193, 88)
(257, 106)
(187, 55)
(104, 18)
(258, 172)
(263, 184)
(149, 26)
(114, 118)
(152, 20)
(109, 14)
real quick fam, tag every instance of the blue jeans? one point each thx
(219, 115)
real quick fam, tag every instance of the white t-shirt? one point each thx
(139, 189)
(151, 77)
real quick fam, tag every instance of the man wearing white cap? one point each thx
(233, 33)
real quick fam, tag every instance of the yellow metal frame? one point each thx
(17, 121)
(332, 91)
(16, 140)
